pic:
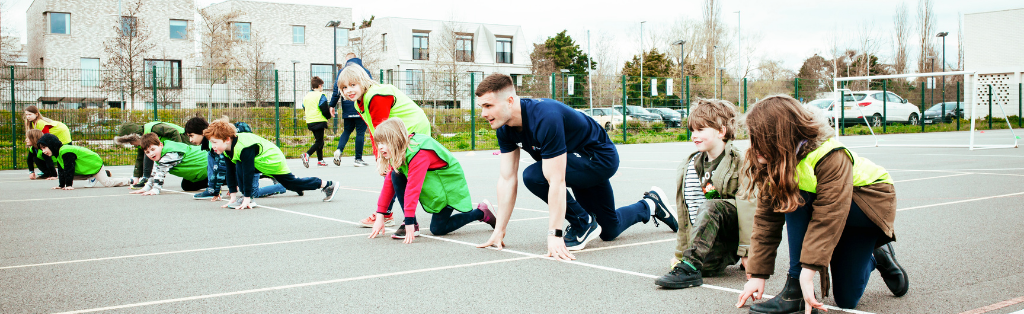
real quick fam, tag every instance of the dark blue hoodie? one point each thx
(348, 109)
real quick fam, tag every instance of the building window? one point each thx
(384, 42)
(324, 71)
(414, 82)
(420, 46)
(90, 72)
(129, 26)
(342, 37)
(298, 34)
(504, 50)
(464, 47)
(179, 29)
(168, 73)
(242, 30)
(265, 76)
(60, 23)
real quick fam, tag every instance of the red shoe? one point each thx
(489, 217)
(368, 222)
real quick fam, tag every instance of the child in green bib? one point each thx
(420, 170)
(37, 158)
(77, 163)
(131, 134)
(185, 161)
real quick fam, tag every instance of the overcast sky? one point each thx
(791, 30)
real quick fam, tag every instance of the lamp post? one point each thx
(943, 35)
(714, 67)
(334, 65)
(641, 65)
(682, 67)
(590, 78)
(932, 69)
(295, 102)
(739, 43)
(721, 82)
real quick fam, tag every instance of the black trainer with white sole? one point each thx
(579, 238)
(661, 211)
(329, 191)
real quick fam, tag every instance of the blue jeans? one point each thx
(442, 222)
(588, 175)
(360, 127)
(216, 175)
(852, 259)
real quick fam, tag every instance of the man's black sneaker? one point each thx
(661, 212)
(329, 191)
(400, 233)
(140, 184)
(578, 239)
(683, 275)
(894, 276)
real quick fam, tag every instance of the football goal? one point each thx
(971, 97)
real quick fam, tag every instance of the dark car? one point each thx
(671, 118)
(639, 114)
(947, 114)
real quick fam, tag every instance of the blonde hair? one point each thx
(713, 113)
(33, 136)
(393, 134)
(355, 75)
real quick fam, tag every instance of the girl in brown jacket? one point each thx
(838, 210)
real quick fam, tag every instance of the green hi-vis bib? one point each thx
(148, 127)
(270, 160)
(441, 187)
(88, 162)
(865, 172)
(58, 129)
(193, 166)
(404, 108)
(311, 104)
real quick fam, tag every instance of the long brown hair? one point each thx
(33, 136)
(392, 133)
(782, 132)
(34, 110)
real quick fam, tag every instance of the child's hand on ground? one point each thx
(68, 188)
(215, 198)
(51, 178)
(231, 201)
(32, 176)
(246, 203)
(58, 188)
(137, 192)
(150, 192)
(378, 226)
(754, 288)
(410, 233)
(807, 287)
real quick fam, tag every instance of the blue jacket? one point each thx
(348, 109)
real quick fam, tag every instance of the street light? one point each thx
(714, 65)
(641, 66)
(295, 102)
(682, 75)
(334, 65)
(943, 35)
(721, 82)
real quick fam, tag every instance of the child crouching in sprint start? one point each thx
(838, 210)
(247, 153)
(714, 222)
(419, 168)
(77, 163)
(183, 160)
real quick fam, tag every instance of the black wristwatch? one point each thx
(555, 232)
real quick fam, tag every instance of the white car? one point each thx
(606, 117)
(859, 105)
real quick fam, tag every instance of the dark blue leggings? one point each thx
(442, 222)
(359, 126)
(588, 177)
(852, 261)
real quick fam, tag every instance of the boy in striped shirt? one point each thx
(714, 222)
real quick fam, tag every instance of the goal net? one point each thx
(973, 99)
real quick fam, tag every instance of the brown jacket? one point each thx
(828, 218)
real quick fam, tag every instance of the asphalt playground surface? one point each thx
(959, 232)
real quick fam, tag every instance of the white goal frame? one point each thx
(968, 101)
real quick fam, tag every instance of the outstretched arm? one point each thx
(554, 172)
(508, 183)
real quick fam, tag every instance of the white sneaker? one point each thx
(91, 182)
(359, 163)
(337, 157)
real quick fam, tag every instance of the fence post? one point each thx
(796, 88)
(472, 112)
(744, 94)
(989, 106)
(956, 114)
(381, 76)
(687, 107)
(922, 105)
(552, 85)
(842, 113)
(155, 118)
(1020, 103)
(624, 99)
(277, 110)
(920, 119)
(14, 125)
(885, 104)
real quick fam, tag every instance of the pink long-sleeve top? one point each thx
(422, 162)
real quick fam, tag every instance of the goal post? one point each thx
(969, 101)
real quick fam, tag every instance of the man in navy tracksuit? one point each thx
(571, 151)
(350, 116)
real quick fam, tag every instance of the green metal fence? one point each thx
(94, 104)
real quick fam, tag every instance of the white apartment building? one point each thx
(72, 34)
(992, 49)
(408, 52)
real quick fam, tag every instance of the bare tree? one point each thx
(868, 41)
(217, 45)
(369, 46)
(960, 42)
(126, 52)
(926, 26)
(605, 78)
(901, 36)
(257, 75)
(450, 59)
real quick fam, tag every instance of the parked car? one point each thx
(638, 113)
(682, 112)
(606, 117)
(859, 105)
(671, 118)
(822, 104)
(947, 114)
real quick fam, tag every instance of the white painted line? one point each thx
(1018, 312)
(182, 251)
(659, 169)
(625, 245)
(308, 284)
(62, 198)
(929, 178)
(962, 201)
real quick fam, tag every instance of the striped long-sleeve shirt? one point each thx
(160, 170)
